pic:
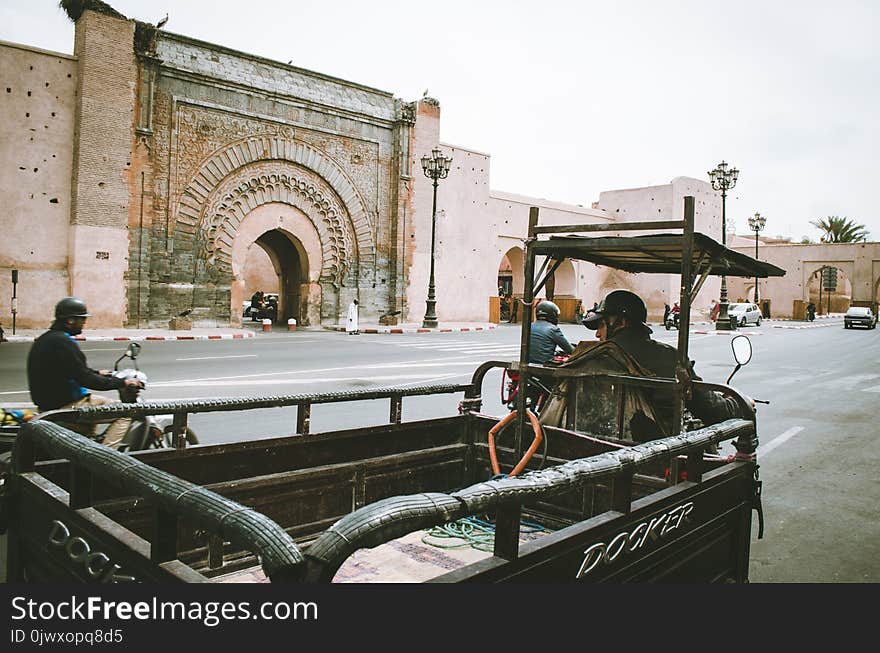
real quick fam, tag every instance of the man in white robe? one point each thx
(352, 326)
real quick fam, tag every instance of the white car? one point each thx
(745, 313)
(859, 316)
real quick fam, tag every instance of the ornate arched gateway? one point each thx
(318, 211)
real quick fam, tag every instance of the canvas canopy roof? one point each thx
(658, 253)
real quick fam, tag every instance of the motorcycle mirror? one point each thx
(742, 352)
(133, 350)
(742, 349)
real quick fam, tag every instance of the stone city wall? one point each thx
(37, 103)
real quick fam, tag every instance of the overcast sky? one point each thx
(573, 97)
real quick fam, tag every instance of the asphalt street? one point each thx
(818, 454)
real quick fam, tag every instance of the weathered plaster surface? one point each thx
(36, 150)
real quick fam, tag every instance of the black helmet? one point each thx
(626, 303)
(71, 307)
(547, 310)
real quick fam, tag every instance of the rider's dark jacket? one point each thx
(545, 337)
(707, 405)
(57, 371)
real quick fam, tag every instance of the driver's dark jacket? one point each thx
(57, 371)
(707, 405)
(544, 339)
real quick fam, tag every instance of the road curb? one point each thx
(400, 330)
(804, 326)
(219, 336)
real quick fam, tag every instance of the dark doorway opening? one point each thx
(288, 263)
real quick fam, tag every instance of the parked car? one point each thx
(859, 316)
(745, 313)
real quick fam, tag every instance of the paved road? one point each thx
(818, 456)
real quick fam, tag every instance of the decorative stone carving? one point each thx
(408, 112)
(261, 184)
(338, 211)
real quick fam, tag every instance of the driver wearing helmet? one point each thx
(621, 318)
(58, 376)
(546, 336)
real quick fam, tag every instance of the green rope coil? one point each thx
(470, 532)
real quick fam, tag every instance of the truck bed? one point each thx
(354, 504)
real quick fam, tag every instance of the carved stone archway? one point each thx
(259, 170)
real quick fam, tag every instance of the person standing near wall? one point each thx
(351, 326)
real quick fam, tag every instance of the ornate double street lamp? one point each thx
(756, 224)
(435, 167)
(723, 179)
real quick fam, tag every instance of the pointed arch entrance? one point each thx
(293, 246)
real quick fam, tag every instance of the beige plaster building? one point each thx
(151, 173)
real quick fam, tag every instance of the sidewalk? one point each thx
(416, 327)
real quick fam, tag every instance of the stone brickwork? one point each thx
(336, 97)
(103, 145)
(222, 145)
(102, 164)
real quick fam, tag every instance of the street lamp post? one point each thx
(723, 179)
(435, 167)
(756, 224)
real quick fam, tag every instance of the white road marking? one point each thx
(274, 341)
(876, 388)
(255, 382)
(208, 358)
(764, 449)
(15, 392)
(495, 348)
(452, 343)
(432, 381)
(849, 382)
(436, 362)
(104, 349)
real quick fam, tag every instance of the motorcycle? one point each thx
(537, 392)
(671, 321)
(149, 432)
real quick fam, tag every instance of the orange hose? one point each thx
(527, 456)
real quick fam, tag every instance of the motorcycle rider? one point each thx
(58, 376)
(544, 339)
(546, 335)
(621, 318)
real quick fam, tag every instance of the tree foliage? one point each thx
(840, 230)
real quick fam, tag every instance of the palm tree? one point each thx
(840, 230)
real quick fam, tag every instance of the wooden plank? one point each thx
(620, 226)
